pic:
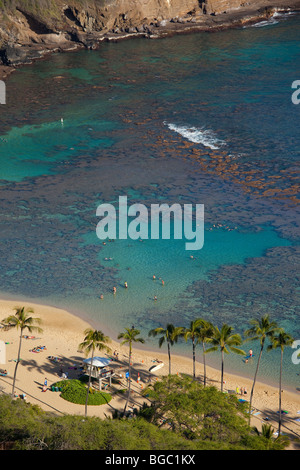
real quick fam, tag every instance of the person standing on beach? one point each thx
(45, 385)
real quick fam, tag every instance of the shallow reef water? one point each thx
(197, 119)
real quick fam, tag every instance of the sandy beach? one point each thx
(62, 333)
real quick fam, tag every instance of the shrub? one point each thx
(75, 392)
(26, 427)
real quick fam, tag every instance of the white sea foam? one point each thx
(198, 135)
(262, 24)
(284, 14)
(274, 19)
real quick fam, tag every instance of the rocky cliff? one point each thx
(31, 28)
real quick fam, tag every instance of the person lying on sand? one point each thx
(38, 349)
(54, 359)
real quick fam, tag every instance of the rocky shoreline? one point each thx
(14, 55)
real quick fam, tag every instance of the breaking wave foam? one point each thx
(274, 19)
(197, 135)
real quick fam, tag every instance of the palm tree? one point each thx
(198, 333)
(260, 330)
(281, 340)
(170, 334)
(204, 335)
(21, 319)
(94, 340)
(267, 432)
(129, 337)
(192, 333)
(225, 341)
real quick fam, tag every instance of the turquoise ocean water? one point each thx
(199, 119)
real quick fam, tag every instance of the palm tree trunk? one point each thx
(169, 354)
(280, 385)
(129, 378)
(204, 363)
(89, 384)
(222, 371)
(194, 360)
(254, 381)
(17, 363)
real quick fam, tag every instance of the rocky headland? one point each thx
(31, 29)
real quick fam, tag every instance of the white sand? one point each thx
(62, 333)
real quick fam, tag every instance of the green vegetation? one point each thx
(202, 414)
(267, 437)
(40, 8)
(170, 335)
(261, 329)
(226, 342)
(23, 321)
(94, 340)
(184, 415)
(202, 331)
(281, 341)
(180, 413)
(197, 332)
(130, 336)
(75, 391)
